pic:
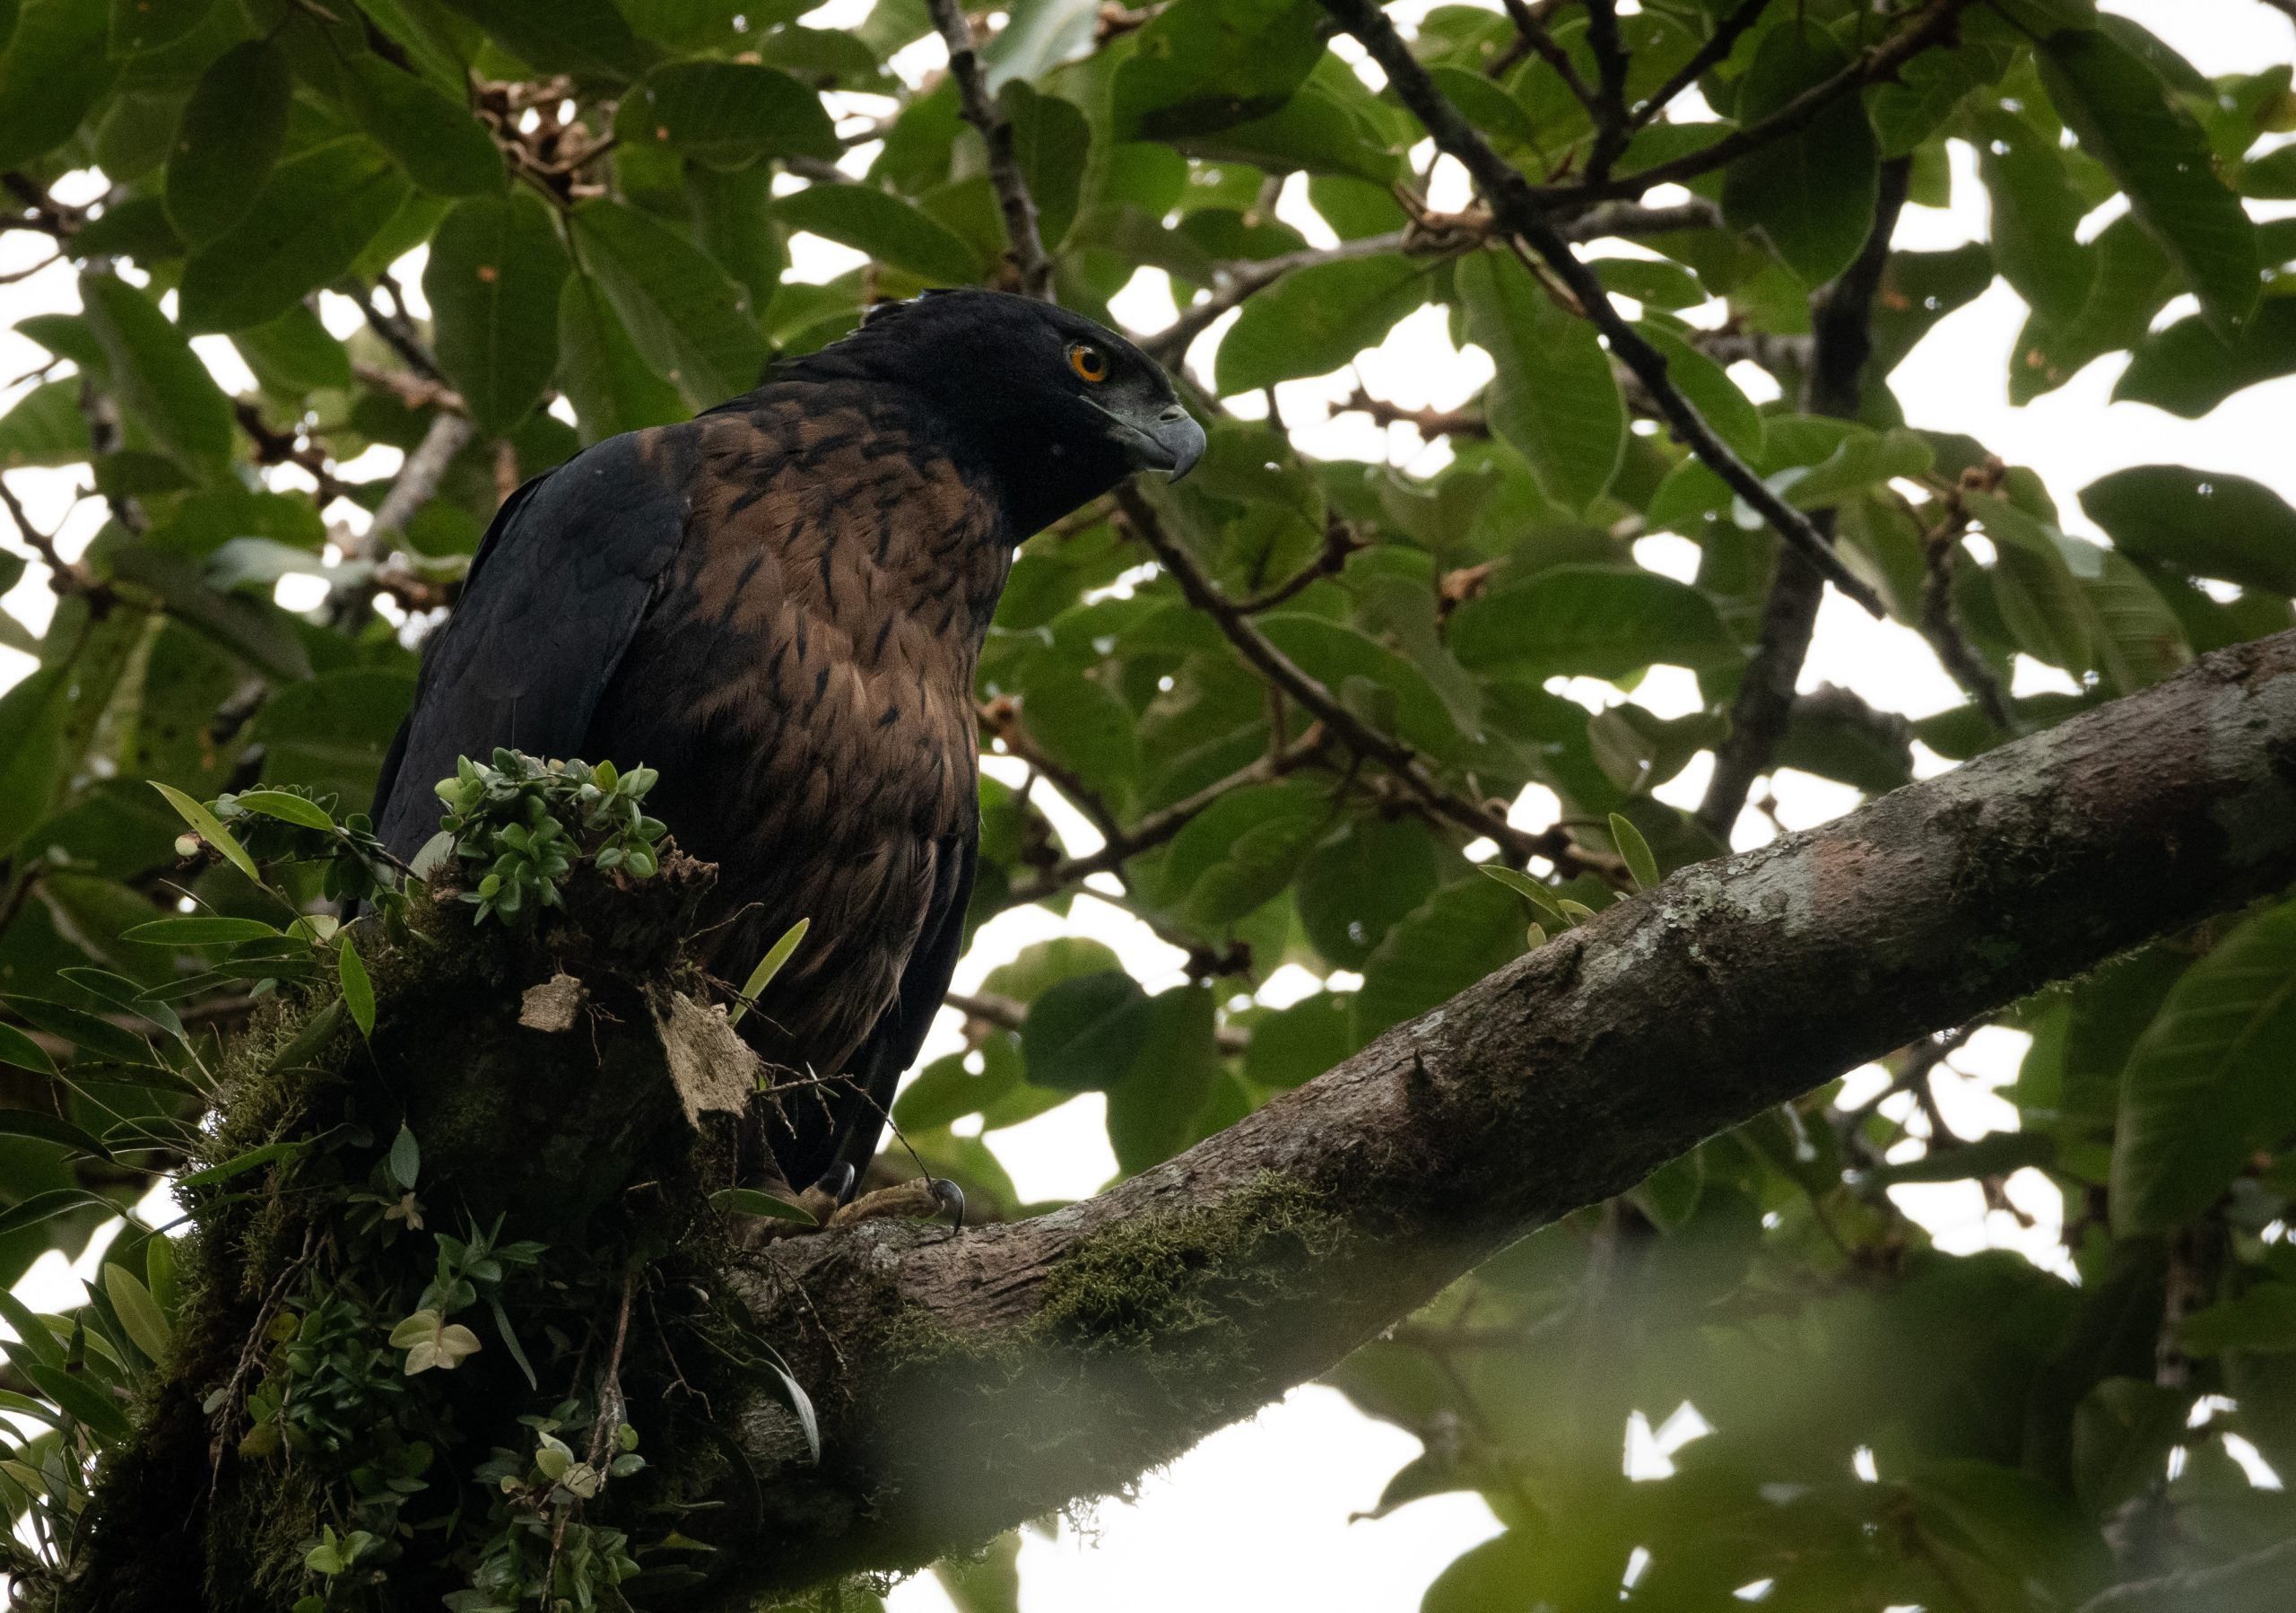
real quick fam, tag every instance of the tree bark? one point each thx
(968, 1383)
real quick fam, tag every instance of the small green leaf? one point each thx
(1635, 851)
(441, 145)
(198, 929)
(158, 378)
(254, 1159)
(54, 70)
(767, 966)
(306, 228)
(46, 1205)
(89, 1403)
(50, 1128)
(203, 825)
(755, 1201)
(1578, 912)
(358, 990)
(726, 113)
(287, 806)
(85, 1030)
(1315, 319)
(493, 279)
(1530, 890)
(138, 1312)
(1810, 194)
(22, 1051)
(406, 1159)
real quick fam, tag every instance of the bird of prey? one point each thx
(779, 606)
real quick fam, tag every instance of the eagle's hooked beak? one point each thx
(1171, 441)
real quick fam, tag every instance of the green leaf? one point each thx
(308, 226)
(1334, 653)
(727, 114)
(2187, 368)
(1710, 389)
(227, 140)
(35, 1335)
(47, 1206)
(2207, 1082)
(240, 1164)
(91, 1405)
(1153, 1109)
(405, 1161)
(1635, 851)
(1862, 459)
(22, 1051)
(767, 966)
(1317, 319)
(2205, 522)
(682, 314)
(586, 37)
(753, 1201)
(493, 280)
(47, 1128)
(1083, 728)
(2076, 604)
(441, 145)
(1810, 194)
(2133, 281)
(83, 1030)
(1554, 400)
(55, 69)
(2036, 212)
(888, 229)
(147, 1326)
(46, 427)
(1083, 1034)
(195, 929)
(1355, 887)
(252, 627)
(1595, 621)
(141, 25)
(287, 806)
(1204, 64)
(156, 376)
(358, 990)
(1532, 890)
(600, 370)
(2125, 118)
(1453, 938)
(32, 717)
(294, 353)
(1052, 141)
(1295, 1044)
(203, 825)
(1240, 852)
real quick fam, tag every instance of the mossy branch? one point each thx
(965, 1382)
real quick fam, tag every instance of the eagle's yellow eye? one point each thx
(1088, 362)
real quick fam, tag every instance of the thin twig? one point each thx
(1613, 128)
(65, 577)
(1878, 61)
(1428, 422)
(1343, 724)
(1517, 208)
(1032, 268)
(1718, 45)
(1007, 1014)
(1531, 29)
(397, 332)
(1841, 317)
(1234, 283)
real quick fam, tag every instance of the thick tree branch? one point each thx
(966, 1383)
(1518, 209)
(1841, 321)
(1029, 264)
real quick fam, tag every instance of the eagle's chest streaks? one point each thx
(804, 680)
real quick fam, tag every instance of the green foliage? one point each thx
(526, 825)
(608, 194)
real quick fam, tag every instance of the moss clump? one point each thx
(1166, 1282)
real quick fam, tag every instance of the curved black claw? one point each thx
(838, 1182)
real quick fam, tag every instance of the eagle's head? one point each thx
(1059, 407)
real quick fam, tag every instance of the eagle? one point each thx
(779, 605)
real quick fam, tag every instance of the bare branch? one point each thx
(1612, 127)
(1531, 33)
(1032, 267)
(1517, 208)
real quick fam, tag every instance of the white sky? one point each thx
(1258, 1515)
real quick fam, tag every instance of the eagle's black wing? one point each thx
(552, 602)
(892, 1042)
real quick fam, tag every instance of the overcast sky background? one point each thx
(1258, 1515)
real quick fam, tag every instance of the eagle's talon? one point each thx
(923, 1198)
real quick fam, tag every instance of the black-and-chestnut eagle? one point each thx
(779, 605)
